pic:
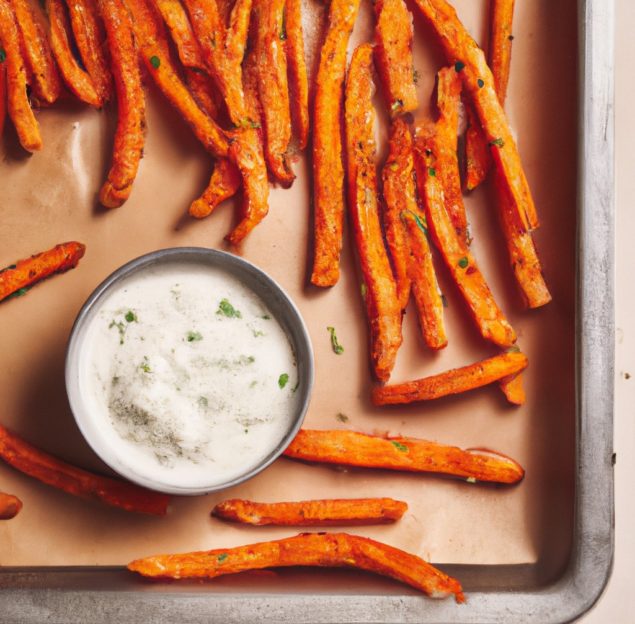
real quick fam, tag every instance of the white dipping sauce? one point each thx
(188, 375)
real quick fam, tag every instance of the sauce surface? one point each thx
(188, 375)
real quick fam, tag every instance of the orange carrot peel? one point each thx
(298, 80)
(10, 506)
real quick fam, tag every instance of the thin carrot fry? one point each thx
(298, 80)
(328, 168)
(45, 468)
(338, 512)
(393, 55)
(454, 381)
(18, 104)
(10, 506)
(308, 549)
(76, 79)
(175, 18)
(477, 154)
(513, 389)
(129, 136)
(223, 184)
(482, 306)
(350, 448)
(382, 306)
(19, 277)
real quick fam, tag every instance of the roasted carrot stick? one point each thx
(58, 474)
(350, 448)
(338, 512)
(513, 389)
(454, 381)
(307, 549)
(19, 277)
(482, 306)
(382, 306)
(223, 184)
(76, 79)
(175, 18)
(10, 506)
(393, 55)
(129, 136)
(328, 168)
(18, 104)
(477, 154)
(296, 63)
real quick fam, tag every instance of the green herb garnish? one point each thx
(227, 309)
(480, 83)
(266, 317)
(498, 142)
(420, 221)
(121, 328)
(459, 66)
(145, 365)
(342, 417)
(338, 349)
(283, 380)
(20, 292)
(155, 61)
(463, 262)
(513, 349)
(363, 289)
(432, 172)
(3, 55)
(194, 336)
(399, 446)
(203, 401)
(131, 317)
(222, 557)
(396, 105)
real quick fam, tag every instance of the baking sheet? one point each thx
(50, 197)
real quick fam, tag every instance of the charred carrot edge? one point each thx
(129, 136)
(382, 306)
(477, 154)
(328, 168)
(10, 506)
(513, 389)
(480, 301)
(75, 78)
(454, 381)
(37, 51)
(468, 59)
(331, 512)
(175, 18)
(18, 104)
(307, 549)
(223, 184)
(24, 273)
(45, 468)
(351, 448)
(298, 80)
(393, 55)
(273, 88)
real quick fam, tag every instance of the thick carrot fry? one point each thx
(328, 168)
(307, 549)
(223, 184)
(483, 309)
(298, 80)
(37, 51)
(129, 136)
(513, 389)
(393, 55)
(58, 474)
(382, 305)
(19, 277)
(76, 79)
(338, 512)
(468, 59)
(17, 100)
(350, 448)
(175, 18)
(10, 506)
(477, 154)
(454, 381)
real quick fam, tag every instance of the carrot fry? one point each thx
(513, 389)
(175, 18)
(454, 381)
(484, 310)
(10, 506)
(393, 55)
(338, 512)
(58, 474)
(223, 184)
(202, 88)
(468, 59)
(19, 277)
(76, 79)
(477, 154)
(350, 448)
(37, 51)
(382, 306)
(298, 80)
(129, 136)
(328, 168)
(17, 100)
(308, 549)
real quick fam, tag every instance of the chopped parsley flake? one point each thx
(419, 220)
(396, 105)
(131, 317)
(498, 142)
(194, 336)
(203, 401)
(223, 556)
(342, 417)
(338, 349)
(145, 365)
(227, 309)
(363, 289)
(155, 61)
(459, 66)
(432, 172)
(399, 446)
(513, 349)
(20, 292)
(266, 317)
(480, 83)
(283, 380)
(3, 55)
(121, 328)
(463, 262)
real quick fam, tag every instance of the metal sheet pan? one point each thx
(518, 559)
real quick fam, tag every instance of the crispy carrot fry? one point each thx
(17, 101)
(175, 18)
(58, 474)
(90, 38)
(338, 512)
(477, 154)
(129, 136)
(513, 389)
(76, 79)
(393, 55)
(19, 277)
(223, 184)
(350, 448)
(202, 88)
(468, 59)
(298, 80)
(454, 381)
(482, 306)
(328, 168)
(308, 549)
(10, 506)
(382, 306)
